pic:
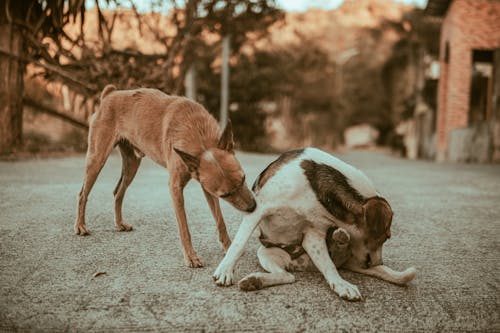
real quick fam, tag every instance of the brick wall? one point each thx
(468, 25)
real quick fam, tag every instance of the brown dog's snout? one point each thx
(243, 201)
(251, 207)
(249, 199)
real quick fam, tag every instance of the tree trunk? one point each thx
(226, 50)
(11, 87)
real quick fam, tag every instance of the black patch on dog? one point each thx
(273, 167)
(333, 191)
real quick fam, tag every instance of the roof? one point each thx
(437, 7)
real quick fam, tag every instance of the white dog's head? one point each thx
(369, 233)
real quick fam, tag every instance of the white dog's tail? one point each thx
(107, 90)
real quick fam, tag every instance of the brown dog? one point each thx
(176, 133)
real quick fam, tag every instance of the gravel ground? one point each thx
(447, 225)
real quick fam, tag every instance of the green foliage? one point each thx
(87, 65)
(399, 73)
(239, 17)
(305, 75)
(43, 17)
(313, 82)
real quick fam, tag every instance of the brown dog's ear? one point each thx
(226, 139)
(378, 216)
(192, 162)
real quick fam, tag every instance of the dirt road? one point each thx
(447, 225)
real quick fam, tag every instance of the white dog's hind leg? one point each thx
(223, 275)
(315, 245)
(275, 261)
(387, 274)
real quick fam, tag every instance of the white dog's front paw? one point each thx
(346, 290)
(223, 276)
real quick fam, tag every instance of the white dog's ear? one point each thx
(192, 162)
(226, 139)
(378, 217)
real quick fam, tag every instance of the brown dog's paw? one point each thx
(340, 237)
(250, 283)
(81, 230)
(122, 226)
(194, 262)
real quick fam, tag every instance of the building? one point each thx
(468, 102)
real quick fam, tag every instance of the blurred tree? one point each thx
(403, 72)
(11, 82)
(36, 34)
(22, 23)
(364, 96)
(262, 78)
(238, 18)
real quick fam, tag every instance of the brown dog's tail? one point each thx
(108, 89)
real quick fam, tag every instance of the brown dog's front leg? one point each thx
(177, 185)
(387, 274)
(213, 203)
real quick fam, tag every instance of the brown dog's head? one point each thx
(220, 173)
(370, 233)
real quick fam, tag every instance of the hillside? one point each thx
(343, 28)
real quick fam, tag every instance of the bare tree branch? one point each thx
(53, 112)
(87, 88)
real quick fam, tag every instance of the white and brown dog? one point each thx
(301, 198)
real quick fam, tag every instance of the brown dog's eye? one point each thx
(228, 194)
(242, 182)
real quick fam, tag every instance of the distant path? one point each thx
(447, 224)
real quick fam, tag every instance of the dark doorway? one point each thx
(481, 86)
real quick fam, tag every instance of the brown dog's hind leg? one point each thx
(213, 203)
(100, 146)
(130, 164)
(275, 261)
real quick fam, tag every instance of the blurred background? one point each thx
(419, 77)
